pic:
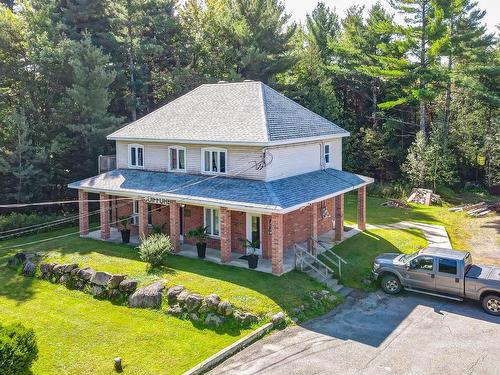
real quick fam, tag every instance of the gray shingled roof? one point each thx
(243, 112)
(275, 195)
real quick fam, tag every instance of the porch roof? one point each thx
(281, 195)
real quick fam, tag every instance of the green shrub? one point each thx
(18, 220)
(154, 249)
(18, 349)
(389, 190)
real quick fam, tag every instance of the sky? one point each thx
(299, 8)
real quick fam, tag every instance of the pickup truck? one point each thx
(440, 272)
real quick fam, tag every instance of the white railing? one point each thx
(106, 163)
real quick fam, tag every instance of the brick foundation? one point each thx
(83, 212)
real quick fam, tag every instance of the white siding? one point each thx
(240, 160)
(302, 158)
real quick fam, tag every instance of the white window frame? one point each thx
(329, 153)
(212, 150)
(210, 211)
(129, 156)
(135, 213)
(177, 148)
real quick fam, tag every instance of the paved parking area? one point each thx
(381, 334)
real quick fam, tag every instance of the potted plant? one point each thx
(125, 231)
(201, 235)
(252, 256)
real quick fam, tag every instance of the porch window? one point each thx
(326, 153)
(214, 160)
(135, 213)
(212, 221)
(177, 156)
(135, 156)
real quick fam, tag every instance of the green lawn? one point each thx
(455, 222)
(360, 251)
(78, 334)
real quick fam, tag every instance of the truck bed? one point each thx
(479, 272)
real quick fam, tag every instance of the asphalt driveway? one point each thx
(381, 334)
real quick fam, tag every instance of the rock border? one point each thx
(229, 351)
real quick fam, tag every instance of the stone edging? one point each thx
(228, 351)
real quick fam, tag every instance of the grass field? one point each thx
(78, 334)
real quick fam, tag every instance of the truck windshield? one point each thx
(407, 257)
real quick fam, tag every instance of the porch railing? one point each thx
(106, 163)
(304, 259)
(329, 255)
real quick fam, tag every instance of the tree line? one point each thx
(421, 99)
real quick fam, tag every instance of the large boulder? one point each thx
(98, 291)
(58, 269)
(115, 281)
(175, 310)
(225, 308)
(86, 273)
(79, 284)
(64, 278)
(245, 318)
(182, 296)
(128, 285)
(193, 302)
(101, 278)
(214, 320)
(29, 268)
(21, 257)
(74, 272)
(278, 319)
(114, 294)
(69, 267)
(173, 292)
(47, 267)
(148, 297)
(212, 301)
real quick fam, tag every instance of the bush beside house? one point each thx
(18, 349)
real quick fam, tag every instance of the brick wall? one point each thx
(298, 223)
(238, 231)
(193, 217)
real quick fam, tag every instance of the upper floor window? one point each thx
(326, 153)
(214, 160)
(177, 158)
(136, 156)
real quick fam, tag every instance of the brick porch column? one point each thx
(362, 208)
(104, 214)
(175, 229)
(339, 217)
(83, 212)
(314, 220)
(277, 243)
(113, 210)
(225, 235)
(143, 219)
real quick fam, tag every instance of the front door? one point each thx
(254, 232)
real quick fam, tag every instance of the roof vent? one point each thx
(222, 82)
(248, 80)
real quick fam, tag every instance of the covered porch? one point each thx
(278, 214)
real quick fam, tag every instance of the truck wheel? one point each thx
(391, 284)
(491, 304)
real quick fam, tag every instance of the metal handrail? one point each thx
(302, 255)
(337, 263)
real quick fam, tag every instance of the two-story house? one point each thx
(239, 158)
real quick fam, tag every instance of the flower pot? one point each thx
(125, 235)
(253, 260)
(202, 249)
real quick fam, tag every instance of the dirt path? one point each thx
(485, 239)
